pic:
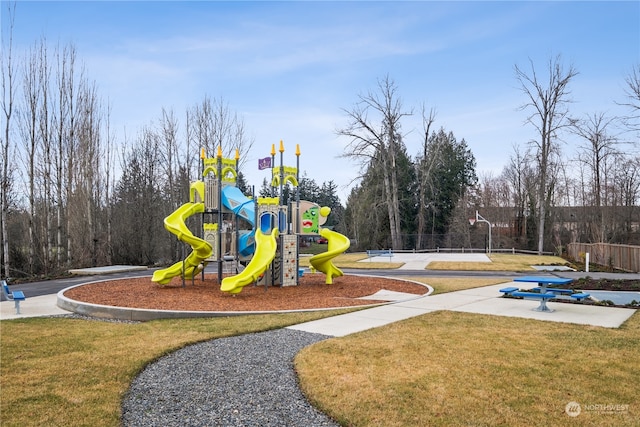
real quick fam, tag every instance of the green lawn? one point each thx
(442, 368)
(455, 369)
(70, 372)
(499, 262)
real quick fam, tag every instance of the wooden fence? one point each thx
(620, 257)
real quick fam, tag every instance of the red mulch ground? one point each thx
(312, 292)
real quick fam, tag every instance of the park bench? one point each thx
(544, 283)
(543, 291)
(555, 290)
(379, 252)
(15, 296)
(581, 296)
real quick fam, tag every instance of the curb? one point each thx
(146, 314)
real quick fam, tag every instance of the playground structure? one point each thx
(256, 238)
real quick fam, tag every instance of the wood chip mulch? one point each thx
(312, 292)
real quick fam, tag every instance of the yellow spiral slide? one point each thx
(336, 244)
(192, 265)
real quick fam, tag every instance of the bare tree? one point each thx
(6, 152)
(29, 129)
(64, 134)
(632, 91)
(138, 203)
(90, 176)
(168, 136)
(212, 124)
(376, 142)
(598, 147)
(72, 90)
(425, 170)
(521, 179)
(46, 161)
(547, 100)
(628, 179)
(174, 189)
(109, 158)
(85, 171)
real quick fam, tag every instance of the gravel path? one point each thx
(246, 380)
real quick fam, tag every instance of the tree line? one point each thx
(541, 201)
(73, 194)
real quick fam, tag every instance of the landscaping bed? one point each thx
(591, 284)
(606, 284)
(311, 293)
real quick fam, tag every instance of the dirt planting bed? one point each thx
(312, 292)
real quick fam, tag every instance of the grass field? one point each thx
(70, 372)
(455, 369)
(499, 262)
(442, 368)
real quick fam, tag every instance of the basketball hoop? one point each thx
(481, 219)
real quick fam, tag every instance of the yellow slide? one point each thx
(266, 246)
(336, 244)
(202, 250)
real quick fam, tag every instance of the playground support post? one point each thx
(479, 218)
(273, 165)
(219, 177)
(237, 229)
(203, 155)
(297, 213)
(281, 172)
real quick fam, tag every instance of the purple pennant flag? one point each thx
(264, 163)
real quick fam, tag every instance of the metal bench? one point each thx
(509, 290)
(581, 296)
(15, 296)
(555, 291)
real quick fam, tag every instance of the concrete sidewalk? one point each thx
(109, 269)
(46, 305)
(419, 261)
(484, 300)
(41, 306)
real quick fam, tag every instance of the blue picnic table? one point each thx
(543, 282)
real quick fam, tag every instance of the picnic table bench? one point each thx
(558, 291)
(569, 292)
(580, 296)
(543, 297)
(545, 291)
(15, 296)
(379, 252)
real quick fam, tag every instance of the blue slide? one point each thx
(241, 205)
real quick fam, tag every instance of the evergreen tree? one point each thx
(454, 172)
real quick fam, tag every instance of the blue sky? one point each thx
(290, 68)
